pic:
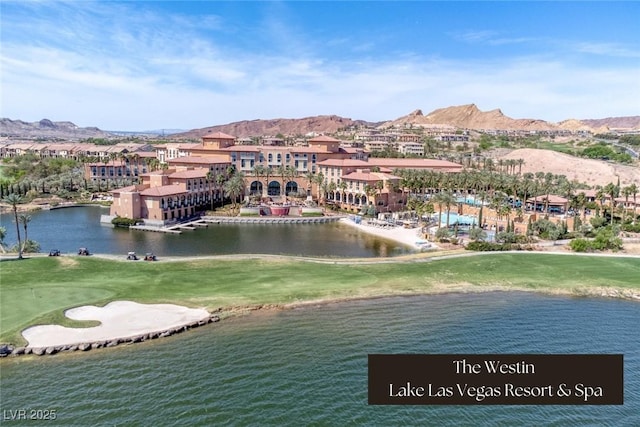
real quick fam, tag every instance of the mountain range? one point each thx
(463, 116)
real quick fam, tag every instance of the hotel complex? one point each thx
(191, 177)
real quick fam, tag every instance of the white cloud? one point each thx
(144, 76)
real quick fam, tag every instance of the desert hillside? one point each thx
(592, 172)
(470, 117)
(248, 128)
(45, 128)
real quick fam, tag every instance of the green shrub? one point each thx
(491, 247)
(443, 235)
(597, 221)
(572, 235)
(630, 228)
(123, 222)
(580, 245)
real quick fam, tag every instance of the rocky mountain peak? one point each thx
(46, 123)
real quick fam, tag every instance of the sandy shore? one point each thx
(119, 319)
(407, 236)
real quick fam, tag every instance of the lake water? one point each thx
(309, 366)
(70, 228)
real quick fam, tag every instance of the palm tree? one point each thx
(14, 200)
(371, 194)
(25, 219)
(319, 180)
(483, 196)
(234, 188)
(3, 234)
(153, 164)
(612, 190)
(442, 199)
(547, 186)
(448, 200)
(633, 190)
(342, 186)
(477, 234)
(626, 192)
(259, 170)
(282, 171)
(210, 179)
(580, 203)
(497, 203)
(290, 173)
(331, 188)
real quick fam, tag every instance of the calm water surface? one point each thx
(309, 366)
(70, 228)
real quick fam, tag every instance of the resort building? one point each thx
(192, 175)
(411, 148)
(167, 196)
(126, 167)
(372, 192)
(378, 145)
(166, 152)
(553, 204)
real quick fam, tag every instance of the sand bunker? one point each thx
(120, 319)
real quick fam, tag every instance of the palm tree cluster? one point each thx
(234, 185)
(486, 184)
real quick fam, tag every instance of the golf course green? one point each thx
(38, 290)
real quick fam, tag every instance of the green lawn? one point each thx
(38, 290)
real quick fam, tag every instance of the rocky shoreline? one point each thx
(7, 350)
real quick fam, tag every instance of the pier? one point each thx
(204, 222)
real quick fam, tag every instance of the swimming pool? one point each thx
(466, 220)
(471, 200)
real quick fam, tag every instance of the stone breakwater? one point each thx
(10, 350)
(270, 219)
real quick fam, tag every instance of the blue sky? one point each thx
(140, 65)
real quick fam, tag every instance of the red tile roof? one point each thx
(144, 154)
(128, 189)
(344, 163)
(247, 148)
(552, 199)
(199, 160)
(192, 173)
(218, 135)
(308, 150)
(165, 190)
(368, 176)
